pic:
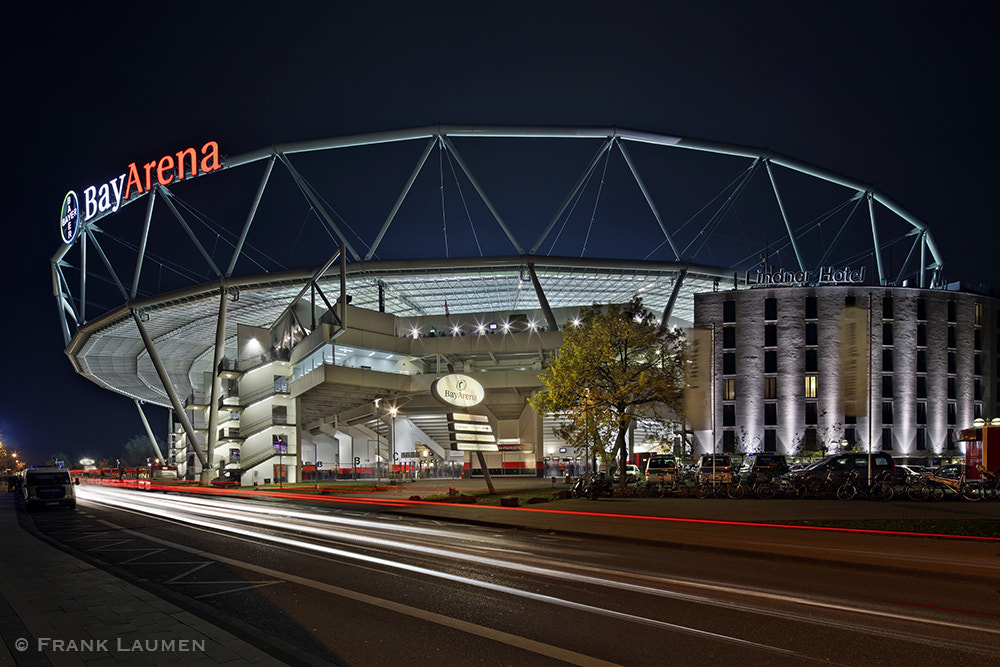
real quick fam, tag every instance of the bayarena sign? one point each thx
(136, 181)
(458, 390)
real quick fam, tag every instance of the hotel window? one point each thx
(770, 387)
(977, 339)
(977, 389)
(886, 439)
(921, 335)
(978, 314)
(770, 440)
(729, 311)
(921, 439)
(811, 336)
(729, 389)
(810, 386)
(951, 362)
(921, 361)
(887, 359)
(812, 413)
(770, 361)
(951, 337)
(729, 442)
(851, 435)
(886, 386)
(951, 312)
(887, 307)
(886, 412)
(811, 310)
(887, 333)
(921, 386)
(921, 413)
(770, 309)
(728, 337)
(770, 414)
(770, 335)
(977, 365)
(952, 414)
(809, 440)
(952, 393)
(921, 308)
(812, 361)
(729, 363)
(729, 415)
(977, 410)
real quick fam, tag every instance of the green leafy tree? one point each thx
(138, 449)
(617, 366)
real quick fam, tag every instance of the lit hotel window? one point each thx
(810, 386)
(729, 390)
(979, 313)
(770, 387)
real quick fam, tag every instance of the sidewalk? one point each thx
(58, 610)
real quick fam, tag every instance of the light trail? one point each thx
(321, 526)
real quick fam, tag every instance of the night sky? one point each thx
(900, 95)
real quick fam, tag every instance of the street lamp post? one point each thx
(392, 441)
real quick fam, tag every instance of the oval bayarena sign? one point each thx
(458, 390)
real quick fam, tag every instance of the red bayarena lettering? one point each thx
(164, 170)
(167, 171)
(190, 154)
(210, 157)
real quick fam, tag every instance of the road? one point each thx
(354, 585)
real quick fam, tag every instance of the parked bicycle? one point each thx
(881, 488)
(936, 487)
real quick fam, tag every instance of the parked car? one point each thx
(715, 468)
(907, 471)
(763, 467)
(661, 464)
(949, 471)
(48, 486)
(839, 466)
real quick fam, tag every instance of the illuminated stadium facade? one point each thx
(292, 306)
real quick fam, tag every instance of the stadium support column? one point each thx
(669, 309)
(220, 345)
(149, 432)
(161, 371)
(550, 319)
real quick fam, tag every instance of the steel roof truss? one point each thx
(649, 199)
(784, 216)
(486, 200)
(584, 177)
(311, 196)
(250, 216)
(194, 239)
(402, 196)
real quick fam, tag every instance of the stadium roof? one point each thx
(449, 218)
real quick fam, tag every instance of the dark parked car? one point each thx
(719, 465)
(840, 466)
(763, 467)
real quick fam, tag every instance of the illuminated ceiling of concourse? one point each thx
(182, 326)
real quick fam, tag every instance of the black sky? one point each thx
(899, 94)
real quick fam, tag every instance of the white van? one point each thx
(48, 486)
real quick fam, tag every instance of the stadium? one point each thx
(293, 306)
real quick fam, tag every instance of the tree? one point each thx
(618, 365)
(138, 450)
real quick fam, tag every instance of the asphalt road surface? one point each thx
(356, 586)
